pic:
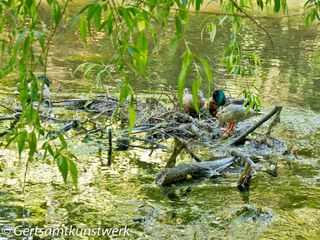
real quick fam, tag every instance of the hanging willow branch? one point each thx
(254, 21)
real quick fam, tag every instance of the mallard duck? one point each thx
(219, 99)
(229, 110)
(187, 101)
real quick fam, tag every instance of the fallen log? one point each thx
(204, 169)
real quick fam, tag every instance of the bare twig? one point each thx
(12, 126)
(9, 108)
(179, 146)
(254, 21)
(10, 117)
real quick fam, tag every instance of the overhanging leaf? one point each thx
(63, 167)
(83, 30)
(21, 141)
(186, 62)
(32, 140)
(212, 29)
(207, 69)
(277, 5)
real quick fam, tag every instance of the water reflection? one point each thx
(289, 75)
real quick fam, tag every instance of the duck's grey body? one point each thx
(45, 92)
(230, 111)
(234, 113)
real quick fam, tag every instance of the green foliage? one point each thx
(83, 30)
(252, 101)
(22, 140)
(312, 11)
(73, 171)
(133, 26)
(141, 53)
(208, 72)
(212, 29)
(32, 140)
(186, 62)
(24, 48)
(63, 167)
(277, 5)
(60, 153)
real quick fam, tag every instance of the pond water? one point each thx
(126, 195)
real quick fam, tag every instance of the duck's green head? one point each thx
(219, 97)
(45, 79)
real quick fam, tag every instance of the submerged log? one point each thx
(204, 169)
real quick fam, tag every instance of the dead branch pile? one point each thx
(156, 123)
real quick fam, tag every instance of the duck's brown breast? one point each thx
(212, 107)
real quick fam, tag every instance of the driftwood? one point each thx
(205, 169)
(9, 108)
(180, 144)
(242, 137)
(155, 123)
(245, 178)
